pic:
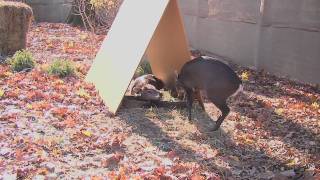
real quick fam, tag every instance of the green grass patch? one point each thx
(21, 61)
(62, 68)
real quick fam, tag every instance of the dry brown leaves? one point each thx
(59, 128)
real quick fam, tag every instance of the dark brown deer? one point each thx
(212, 77)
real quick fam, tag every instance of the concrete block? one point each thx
(234, 10)
(228, 39)
(291, 52)
(50, 11)
(293, 13)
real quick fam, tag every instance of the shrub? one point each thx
(61, 68)
(22, 60)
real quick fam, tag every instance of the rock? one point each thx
(15, 19)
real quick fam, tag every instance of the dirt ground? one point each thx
(272, 132)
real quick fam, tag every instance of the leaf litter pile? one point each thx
(53, 127)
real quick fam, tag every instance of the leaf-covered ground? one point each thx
(59, 128)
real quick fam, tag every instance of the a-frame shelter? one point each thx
(151, 27)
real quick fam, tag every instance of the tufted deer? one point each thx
(212, 77)
(146, 87)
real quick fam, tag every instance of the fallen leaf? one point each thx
(29, 106)
(122, 172)
(86, 133)
(69, 122)
(50, 45)
(13, 93)
(197, 177)
(160, 171)
(172, 154)
(179, 168)
(83, 93)
(1, 93)
(279, 111)
(43, 171)
(60, 112)
(19, 155)
(235, 158)
(83, 37)
(40, 105)
(35, 95)
(245, 76)
(293, 162)
(56, 152)
(110, 3)
(58, 82)
(248, 141)
(112, 160)
(96, 178)
(68, 47)
(315, 105)
(8, 74)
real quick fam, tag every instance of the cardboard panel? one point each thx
(124, 47)
(168, 49)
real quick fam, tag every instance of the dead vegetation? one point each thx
(94, 15)
(59, 128)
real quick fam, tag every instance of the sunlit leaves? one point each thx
(69, 47)
(86, 133)
(315, 105)
(293, 162)
(103, 3)
(245, 76)
(5, 74)
(84, 37)
(29, 106)
(83, 93)
(279, 111)
(1, 93)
